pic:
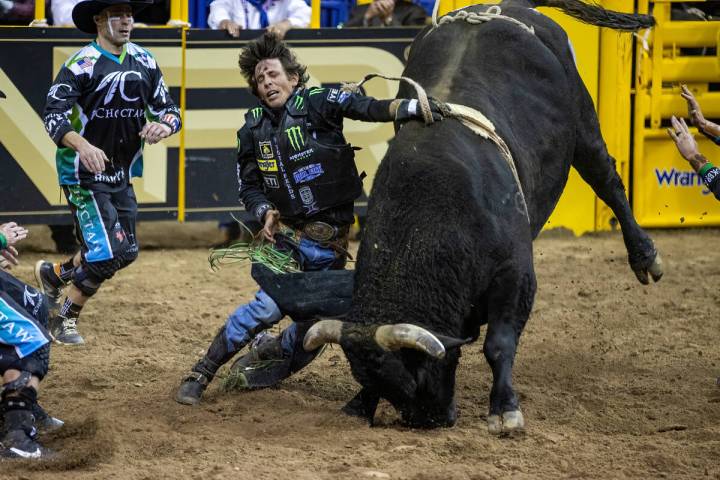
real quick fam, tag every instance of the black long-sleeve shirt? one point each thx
(107, 99)
(327, 108)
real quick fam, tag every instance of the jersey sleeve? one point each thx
(162, 108)
(62, 97)
(337, 104)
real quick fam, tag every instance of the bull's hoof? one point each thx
(654, 269)
(510, 423)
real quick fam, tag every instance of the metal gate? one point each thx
(666, 191)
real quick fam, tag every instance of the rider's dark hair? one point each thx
(266, 47)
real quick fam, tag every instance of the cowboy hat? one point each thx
(84, 12)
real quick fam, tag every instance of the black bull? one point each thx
(447, 245)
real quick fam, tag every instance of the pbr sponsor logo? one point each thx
(304, 155)
(117, 113)
(307, 173)
(679, 178)
(267, 165)
(271, 181)
(333, 95)
(295, 136)
(265, 150)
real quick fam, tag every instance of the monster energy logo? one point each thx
(257, 111)
(315, 91)
(299, 102)
(296, 138)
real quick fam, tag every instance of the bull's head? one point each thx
(407, 365)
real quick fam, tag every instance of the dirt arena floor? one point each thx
(616, 380)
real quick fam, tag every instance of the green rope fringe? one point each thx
(256, 251)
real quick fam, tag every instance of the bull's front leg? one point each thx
(363, 405)
(510, 302)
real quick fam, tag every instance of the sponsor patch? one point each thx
(265, 150)
(307, 173)
(304, 155)
(306, 195)
(679, 178)
(267, 165)
(343, 96)
(332, 96)
(295, 137)
(271, 181)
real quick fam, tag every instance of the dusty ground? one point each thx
(616, 380)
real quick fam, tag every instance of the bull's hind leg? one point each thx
(510, 300)
(597, 168)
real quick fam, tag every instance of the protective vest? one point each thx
(302, 175)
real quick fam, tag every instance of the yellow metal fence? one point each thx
(666, 191)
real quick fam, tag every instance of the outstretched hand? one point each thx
(680, 133)
(13, 232)
(410, 109)
(694, 112)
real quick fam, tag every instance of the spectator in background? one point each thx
(17, 12)
(688, 147)
(387, 13)
(158, 13)
(275, 16)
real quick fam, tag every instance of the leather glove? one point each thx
(410, 110)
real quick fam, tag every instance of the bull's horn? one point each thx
(324, 331)
(406, 335)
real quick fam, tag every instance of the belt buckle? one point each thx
(320, 231)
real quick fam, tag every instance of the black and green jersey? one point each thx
(107, 99)
(296, 158)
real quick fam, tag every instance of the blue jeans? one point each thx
(262, 313)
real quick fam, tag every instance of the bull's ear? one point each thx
(452, 342)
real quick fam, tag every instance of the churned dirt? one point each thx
(616, 379)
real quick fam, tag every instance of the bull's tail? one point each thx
(596, 15)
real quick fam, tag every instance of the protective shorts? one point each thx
(24, 339)
(105, 222)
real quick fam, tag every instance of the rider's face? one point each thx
(115, 23)
(274, 85)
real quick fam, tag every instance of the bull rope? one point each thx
(471, 118)
(494, 12)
